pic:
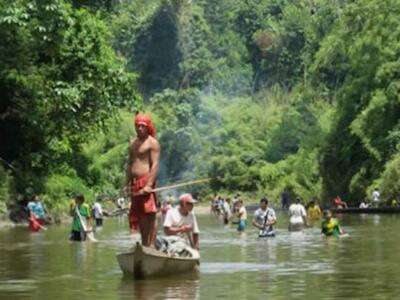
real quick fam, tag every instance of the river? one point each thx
(46, 265)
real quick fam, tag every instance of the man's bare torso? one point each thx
(140, 152)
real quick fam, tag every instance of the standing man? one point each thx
(298, 216)
(264, 219)
(141, 172)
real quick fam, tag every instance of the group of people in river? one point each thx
(229, 209)
(265, 218)
(82, 215)
(141, 172)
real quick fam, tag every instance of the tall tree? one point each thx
(59, 79)
(362, 54)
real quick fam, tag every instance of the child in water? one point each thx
(330, 226)
(241, 214)
(81, 225)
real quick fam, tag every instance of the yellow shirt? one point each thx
(314, 212)
(242, 213)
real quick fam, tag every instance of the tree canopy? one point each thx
(266, 95)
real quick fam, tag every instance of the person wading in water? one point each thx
(330, 226)
(264, 219)
(36, 214)
(141, 172)
(298, 216)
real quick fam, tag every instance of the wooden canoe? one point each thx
(145, 262)
(369, 210)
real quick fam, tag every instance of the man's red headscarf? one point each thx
(143, 119)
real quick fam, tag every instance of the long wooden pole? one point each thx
(178, 185)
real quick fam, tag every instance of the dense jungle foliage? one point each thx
(264, 94)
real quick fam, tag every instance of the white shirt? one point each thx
(120, 202)
(175, 219)
(260, 214)
(227, 209)
(375, 196)
(296, 213)
(98, 212)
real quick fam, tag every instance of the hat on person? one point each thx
(186, 198)
(143, 119)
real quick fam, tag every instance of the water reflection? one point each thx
(150, 289)
(243, 244)
(231, 268)
(81, 252)
(377, 219)
(265, 249)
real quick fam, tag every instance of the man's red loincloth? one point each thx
(141, 205)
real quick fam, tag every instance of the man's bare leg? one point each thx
(149, 232)
(152, 225)
(144, 231)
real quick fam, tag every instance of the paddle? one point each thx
(88, 232)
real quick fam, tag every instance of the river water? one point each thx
(46, 265)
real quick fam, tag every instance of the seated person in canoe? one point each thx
(181, 222)
(339, 203)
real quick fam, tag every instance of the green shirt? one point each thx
(331, 227)
(84, 210)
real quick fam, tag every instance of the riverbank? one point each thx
(4, 224)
